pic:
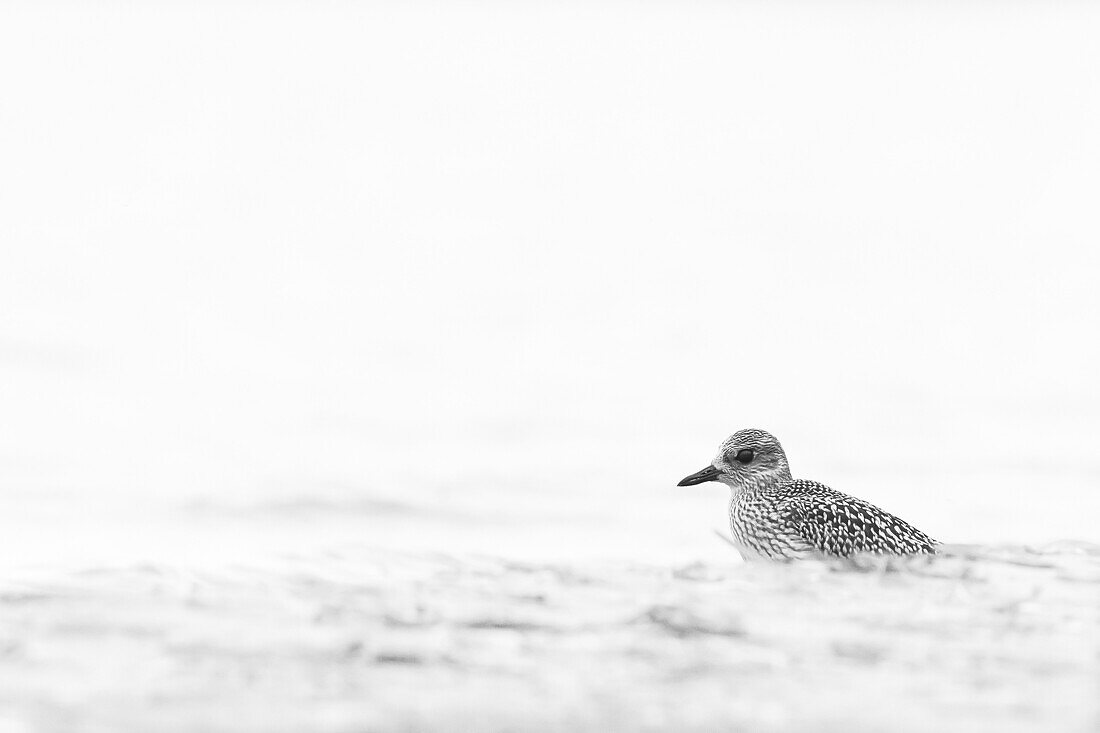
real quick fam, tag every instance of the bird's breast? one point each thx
(758, 531)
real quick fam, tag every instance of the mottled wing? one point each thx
(841, 525)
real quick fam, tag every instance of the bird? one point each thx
(774, 516)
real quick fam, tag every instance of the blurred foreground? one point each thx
(359, 639)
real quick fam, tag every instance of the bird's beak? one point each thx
(710, 473)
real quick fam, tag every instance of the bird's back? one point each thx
(804, 518)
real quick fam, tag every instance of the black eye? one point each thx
(744, 456)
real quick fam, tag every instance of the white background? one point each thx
(494, 276)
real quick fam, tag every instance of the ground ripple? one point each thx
(980, 638)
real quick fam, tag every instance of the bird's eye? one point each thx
(744, 456)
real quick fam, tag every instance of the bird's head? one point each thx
(747, 459)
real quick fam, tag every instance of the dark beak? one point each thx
(710, 473)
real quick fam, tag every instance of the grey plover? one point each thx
(775, 516)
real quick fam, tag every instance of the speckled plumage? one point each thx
(775, 516)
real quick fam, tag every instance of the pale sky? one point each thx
(483, 255)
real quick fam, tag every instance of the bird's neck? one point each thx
(764, 482)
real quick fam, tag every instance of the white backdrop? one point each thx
(493, 277)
